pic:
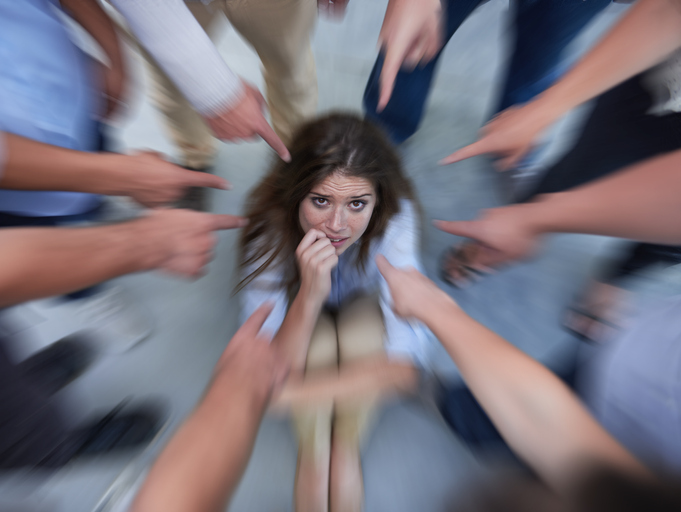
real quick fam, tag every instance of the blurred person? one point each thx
(198, 94)
(39, 262)
(415, 31)
(202, 464)
(581, 467)
(315, 226)
(638, 119)
(631, 383)
(51, 111)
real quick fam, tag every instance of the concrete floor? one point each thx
(411, 461)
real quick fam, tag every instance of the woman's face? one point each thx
(341, 207)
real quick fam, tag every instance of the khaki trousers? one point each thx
(355, 333)
(279, 31)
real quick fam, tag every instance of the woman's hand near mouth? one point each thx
(316, 257)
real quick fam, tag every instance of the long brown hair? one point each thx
(335, 143)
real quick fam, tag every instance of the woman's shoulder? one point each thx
(405, 219)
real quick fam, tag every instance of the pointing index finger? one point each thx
(476, 148)
(222, 221)
(269, 136)
(204, 179)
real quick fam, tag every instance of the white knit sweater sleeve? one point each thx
(169, 32)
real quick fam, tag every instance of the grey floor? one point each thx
(411, 461)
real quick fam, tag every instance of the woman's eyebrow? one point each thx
(368, 194)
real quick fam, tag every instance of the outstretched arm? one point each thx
(202, 464)
(42, 262)
(146, 177)
(645, 36)
(540, 418)
(639, 203)
(232, 108)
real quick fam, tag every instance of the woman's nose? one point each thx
(337, 221)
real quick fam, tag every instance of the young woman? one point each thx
(316, 225)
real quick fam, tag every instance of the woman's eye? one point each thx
(320, 201)
(357, 205)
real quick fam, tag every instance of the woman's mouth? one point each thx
(337, 242)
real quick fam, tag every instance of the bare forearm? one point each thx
(535, 412)
(32, 165)
(371, 378)
(203, 463)
(90, 15)
(41, 262)
(293, 338)
(639, 203)
(645, 36)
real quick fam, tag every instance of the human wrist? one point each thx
(149, 243)
(433, 304)
(112, 174)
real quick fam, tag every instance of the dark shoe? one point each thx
(59, 364)
(115, 432)
(195, 198)
(118, 431)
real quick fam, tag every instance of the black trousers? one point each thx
(32, 433)
(619, 132)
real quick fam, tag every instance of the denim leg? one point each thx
(402, 114)
(542, 30)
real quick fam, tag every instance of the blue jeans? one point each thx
(543, 28)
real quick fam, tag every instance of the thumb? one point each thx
(204, 179)
(477, 148)
(464, 228)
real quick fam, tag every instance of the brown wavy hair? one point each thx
(335, 143)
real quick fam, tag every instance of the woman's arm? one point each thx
(316, 257)
(540, 418)
(645, 36)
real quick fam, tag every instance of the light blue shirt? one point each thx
(633, 385)
(46, 94)
(403, 340)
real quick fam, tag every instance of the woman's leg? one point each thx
(313, 425)
(360, 336)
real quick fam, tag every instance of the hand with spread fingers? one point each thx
(411, 34)
(245, 120)
(499, 236)
(510, 136)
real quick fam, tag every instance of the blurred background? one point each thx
(416, 463)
